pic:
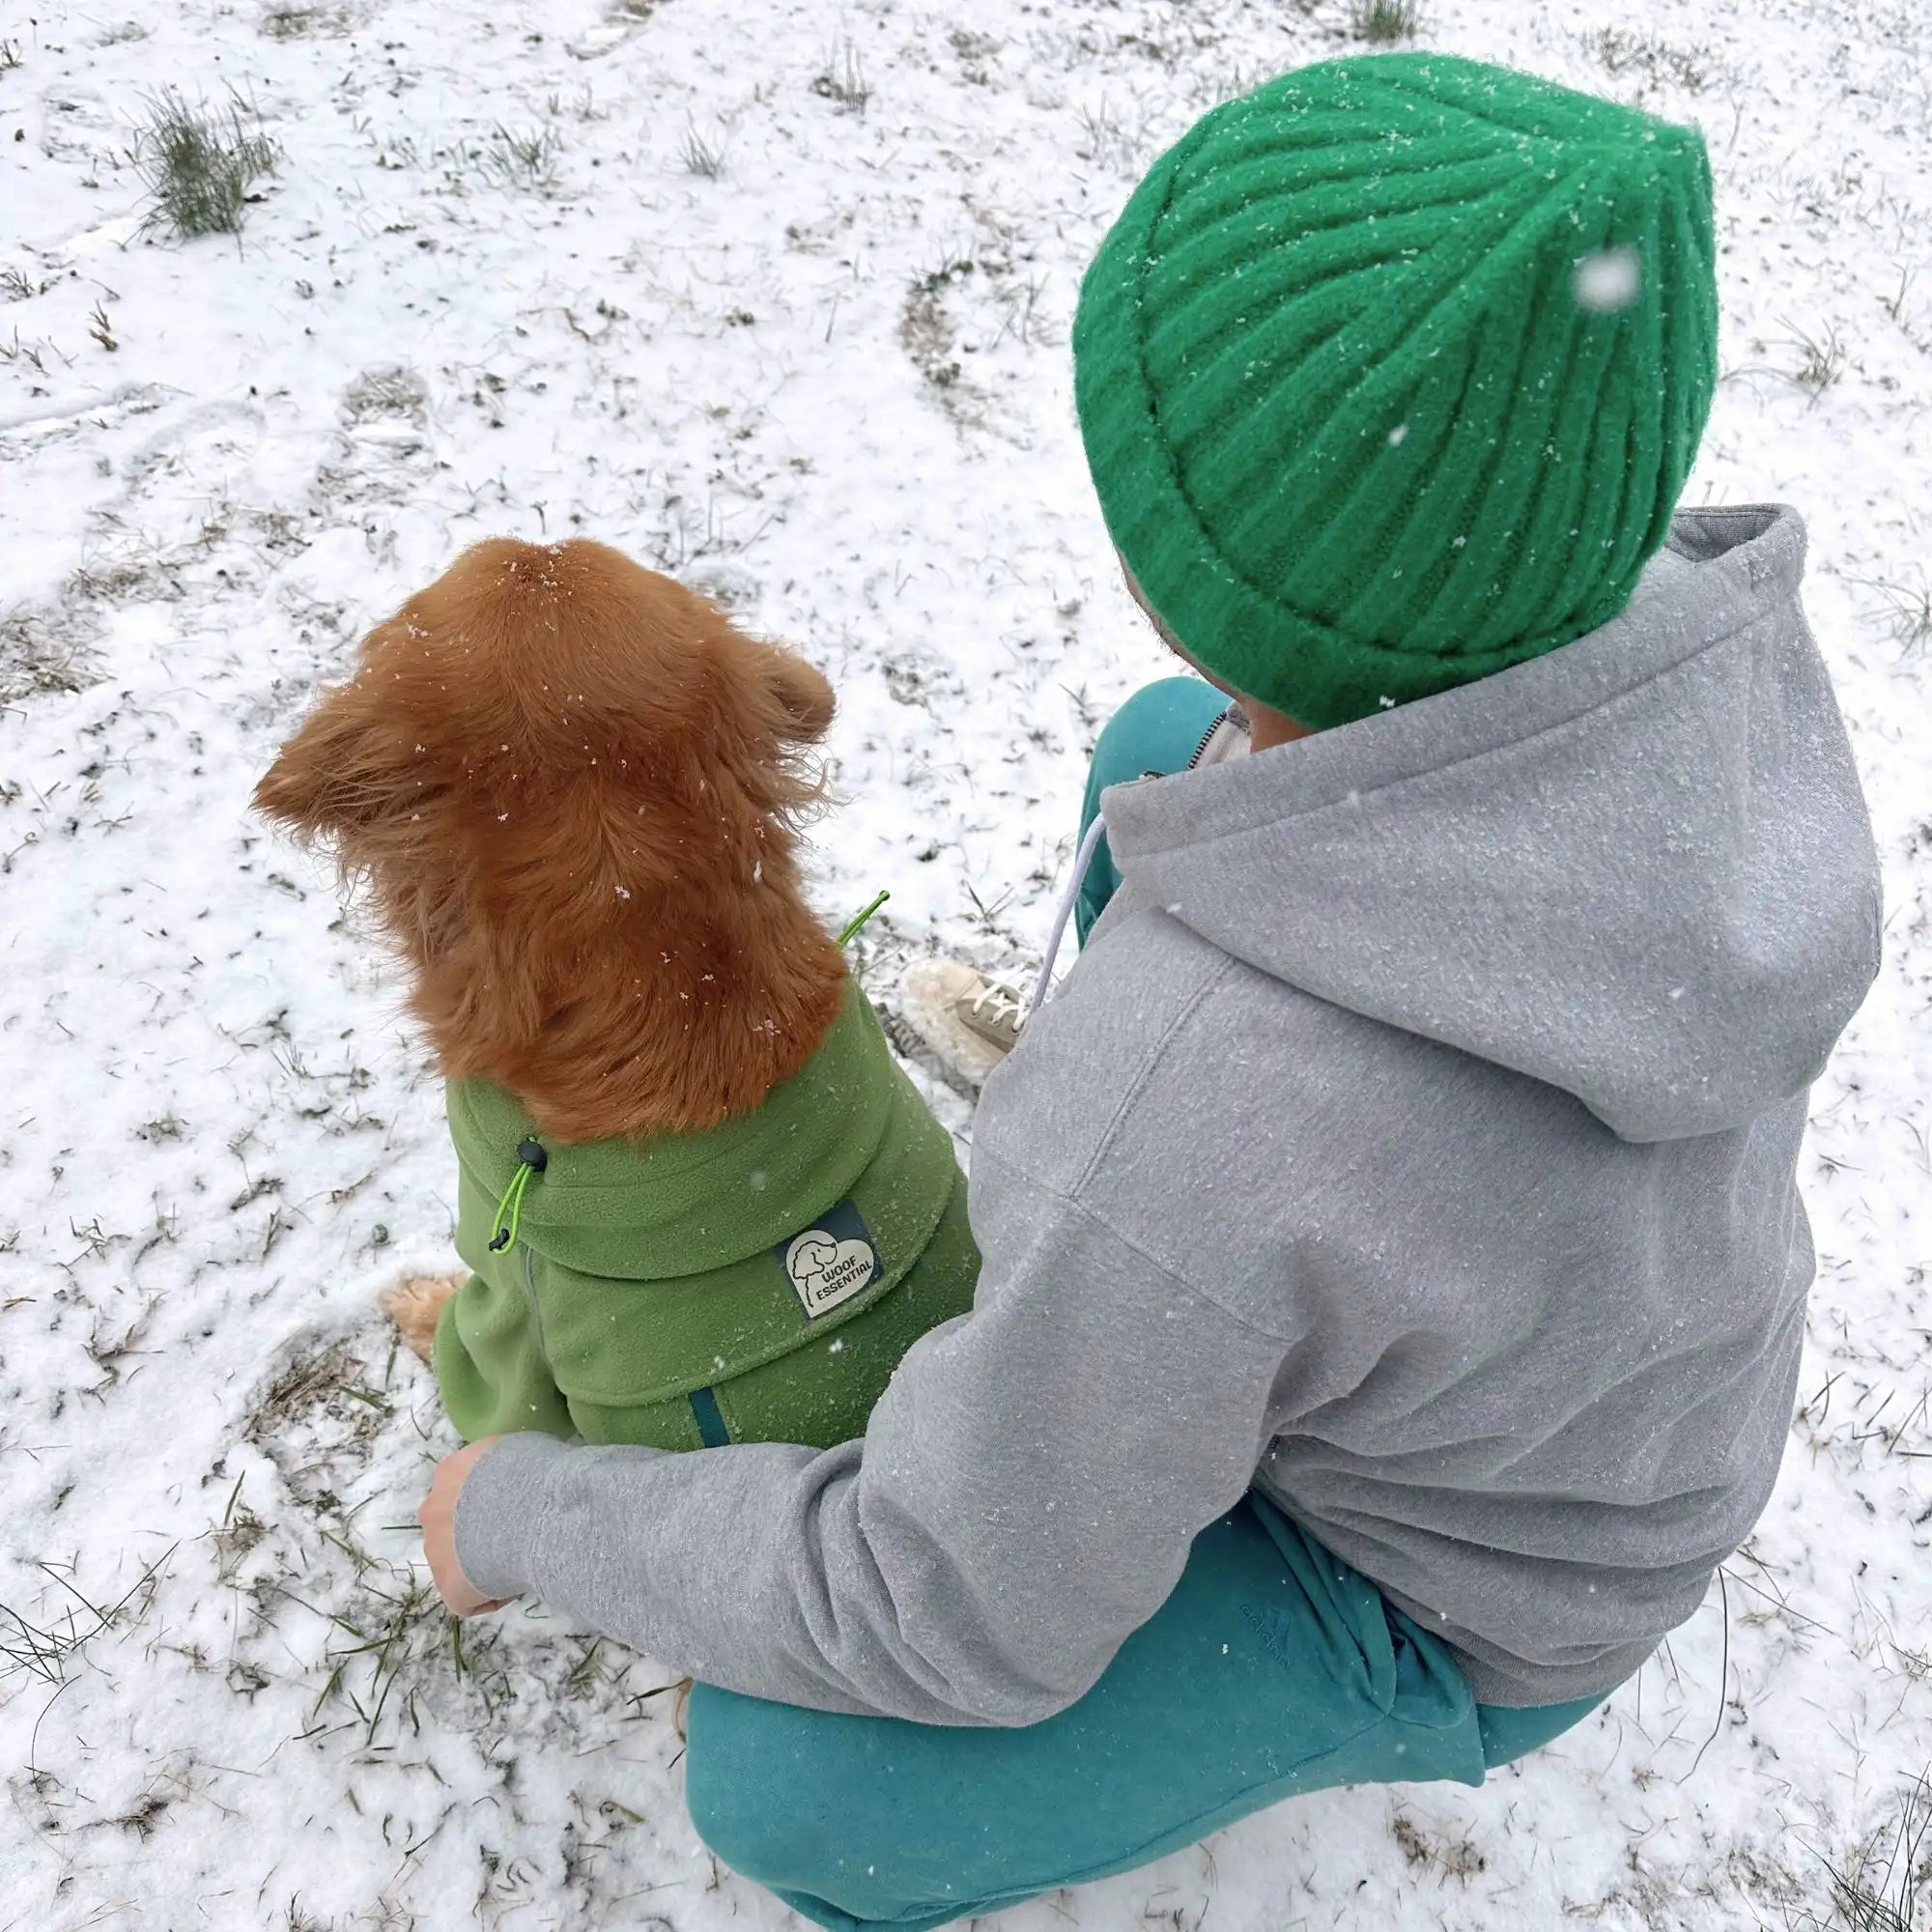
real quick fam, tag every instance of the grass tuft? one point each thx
(1383, 20)
(701, 157)
(1821, 360)
(200, 165)
(1106, 140)
(1908, 609)
(524, 158)
(843, 81)
(294, 20)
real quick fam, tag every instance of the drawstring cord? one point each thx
(851, 932)
(1088, 847)
(530, 1159)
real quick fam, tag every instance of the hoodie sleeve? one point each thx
(1024, 1497)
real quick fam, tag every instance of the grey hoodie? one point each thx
(1414, 1140)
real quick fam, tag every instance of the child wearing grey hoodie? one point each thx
(1394, 1272)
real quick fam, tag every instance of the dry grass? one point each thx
(1885, 1882)
(45, 650)
(1655, 60)
(50, 1652)
(925, 329)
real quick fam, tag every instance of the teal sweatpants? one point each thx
(1155, 732)
(1271, 1671)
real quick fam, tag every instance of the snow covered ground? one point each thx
(775, 296)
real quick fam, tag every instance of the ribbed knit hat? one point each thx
(1390, 373)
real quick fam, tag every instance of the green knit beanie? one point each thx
(1390, 373)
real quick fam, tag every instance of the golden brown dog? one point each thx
(640, 959)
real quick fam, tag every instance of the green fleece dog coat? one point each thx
(757, 1281)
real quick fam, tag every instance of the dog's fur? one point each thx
(574, 787)
(415, 1306)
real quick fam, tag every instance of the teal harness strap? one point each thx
(530, 1159)
(710, 1419)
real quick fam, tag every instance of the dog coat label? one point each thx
(829, 1262)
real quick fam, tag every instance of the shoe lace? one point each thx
(997, 1003)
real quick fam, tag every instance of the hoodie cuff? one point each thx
(499, 1510)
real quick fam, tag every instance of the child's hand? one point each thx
(437, 1517)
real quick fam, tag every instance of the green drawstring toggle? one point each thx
(530, 1159)
(851, 932)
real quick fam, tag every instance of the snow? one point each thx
(827, 382)
(1608, 280)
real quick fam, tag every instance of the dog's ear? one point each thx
(350, 768)
(804, 696)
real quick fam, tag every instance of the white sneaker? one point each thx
(959, 1017)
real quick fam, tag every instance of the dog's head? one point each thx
(552, 767)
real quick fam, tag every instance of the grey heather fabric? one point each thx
(1414, 1140)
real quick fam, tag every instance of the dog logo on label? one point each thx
(825, 1270)
(831, 1261)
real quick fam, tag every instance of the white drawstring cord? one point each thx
(1066, 903)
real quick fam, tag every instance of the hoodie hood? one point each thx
(1638, 868)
